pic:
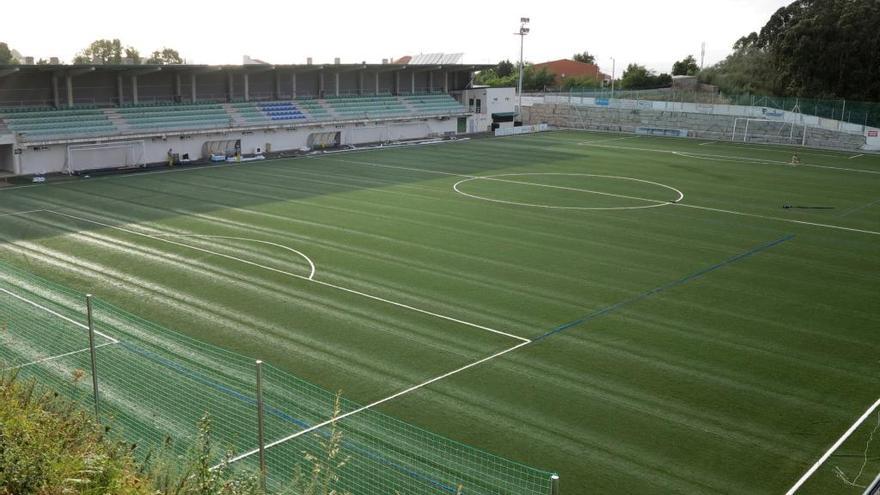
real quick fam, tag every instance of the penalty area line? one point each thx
(831, 450)
(373, 404)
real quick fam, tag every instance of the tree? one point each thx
(817, 48)
(639, 77)
(582, 82)
(101, 52)
(6, 56)
(533, 80)
(537, 80)
(686, 67)
(133, 55)
(584, 57)
(504, 68)
(167, 56)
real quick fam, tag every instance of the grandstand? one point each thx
(46, 109)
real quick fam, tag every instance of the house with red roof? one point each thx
(567, 68)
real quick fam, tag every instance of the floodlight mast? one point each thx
(523, 31)
(613, 75)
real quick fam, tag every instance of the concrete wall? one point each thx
(699, 125)
(702, 108)
(50, 159)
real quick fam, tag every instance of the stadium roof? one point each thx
(9, 69)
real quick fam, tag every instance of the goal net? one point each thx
(122, 154)
(764, 131)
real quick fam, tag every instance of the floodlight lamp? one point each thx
(524, 20)
(524, 30)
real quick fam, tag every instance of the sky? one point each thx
(647, 32)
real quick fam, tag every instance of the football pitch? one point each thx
(637, 314)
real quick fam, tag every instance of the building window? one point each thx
(478, 105)
(471, 105)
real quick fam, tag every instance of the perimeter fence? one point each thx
(864, 113)
(154, 384)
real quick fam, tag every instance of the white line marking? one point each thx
(763, 161)
(222, 165)
(736, 159)
(373, 404)
(607, 140)
(495, 178)
(308, 260)
(773, 148)
(831, 450)
(52, 358)
(707, 143)
(19, 213)
(767, 217)
(59, 315)
(294, 275)
(856, 156)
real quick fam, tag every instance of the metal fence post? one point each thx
(260, 425)
(554, 484)
(93, 354)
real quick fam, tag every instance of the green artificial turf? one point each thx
(719, 344)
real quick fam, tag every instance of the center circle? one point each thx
(634, 194)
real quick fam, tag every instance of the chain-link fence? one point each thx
(155, 384)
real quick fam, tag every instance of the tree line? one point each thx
(106, 52)
(809, 48)
(635, 76)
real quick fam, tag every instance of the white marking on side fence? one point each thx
(373, 404)
(831, 450)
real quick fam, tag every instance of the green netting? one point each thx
(155, 384)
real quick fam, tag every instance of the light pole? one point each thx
(523, 31)
(613, 75)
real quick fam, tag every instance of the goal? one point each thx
(765, 131)
(120, 154)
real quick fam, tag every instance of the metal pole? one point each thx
(522, 37)
(260, 442)
(93, 354)
(613, 75)
(554, 484)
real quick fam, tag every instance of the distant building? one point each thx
(430, 59)
(566, 68)
(248, 60)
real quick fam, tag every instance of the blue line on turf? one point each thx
(859, 208)
(657, 290)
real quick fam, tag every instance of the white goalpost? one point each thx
(117, 154)
(768, 131)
